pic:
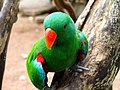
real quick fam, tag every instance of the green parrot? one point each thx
(62, 47)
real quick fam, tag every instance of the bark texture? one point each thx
(8, 15)
(100, 22)
(1, 3)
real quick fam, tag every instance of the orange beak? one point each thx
(50, 37)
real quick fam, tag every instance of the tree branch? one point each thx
(61, 5)
(1, 4)
(102, 29)
(83, 17)
(8, 16)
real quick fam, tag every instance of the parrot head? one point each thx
(59, 29)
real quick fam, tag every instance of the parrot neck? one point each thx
(65, 42)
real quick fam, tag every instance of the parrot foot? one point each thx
(47, 88)
(79, 69)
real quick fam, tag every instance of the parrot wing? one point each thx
(35, 66)
(84, 46)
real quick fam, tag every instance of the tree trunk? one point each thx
(8, 15)
(100, 22)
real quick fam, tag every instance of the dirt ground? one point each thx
(23, 35)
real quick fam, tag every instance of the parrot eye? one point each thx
(65, 26)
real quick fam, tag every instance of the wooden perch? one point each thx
(8, 15)
(83, 17)
(100, 22)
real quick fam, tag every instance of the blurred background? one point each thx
(25, 32)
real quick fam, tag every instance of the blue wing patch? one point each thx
(84, 48)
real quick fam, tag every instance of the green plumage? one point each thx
(65, 50)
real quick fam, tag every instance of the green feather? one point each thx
(64, 51)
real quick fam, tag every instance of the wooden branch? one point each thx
(8, 16)
(1, 3)
(61, 5)
(83, 17)
(102, 29)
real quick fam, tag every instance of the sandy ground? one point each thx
(23, 35)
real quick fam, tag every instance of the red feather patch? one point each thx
(40, 58)
(81, 55)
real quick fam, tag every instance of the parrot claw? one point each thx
(47, 88)
(79, 69)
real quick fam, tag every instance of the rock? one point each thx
(22, 78)
(31, 18)
(34, 7)
(24, 55)
(50, 76)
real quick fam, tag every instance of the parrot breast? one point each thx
(60, 57)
